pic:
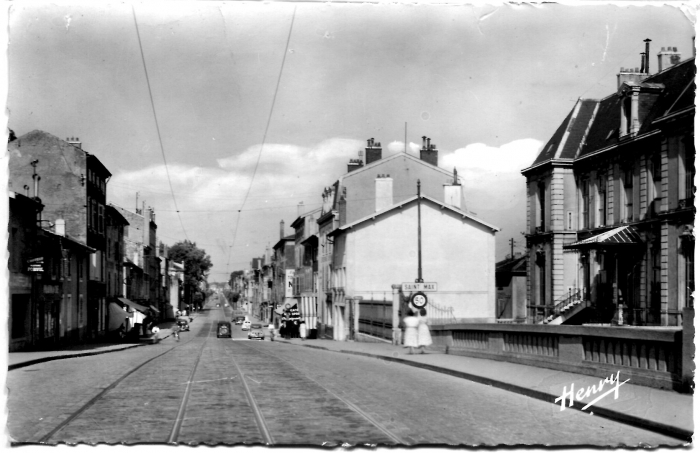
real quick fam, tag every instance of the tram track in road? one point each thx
(235, 393)
(84, 408)
(344, 421)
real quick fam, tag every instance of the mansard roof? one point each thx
(677, 95)
(567, 138)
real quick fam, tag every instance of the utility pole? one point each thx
(512, 243)
(420, 257)
(405, 137)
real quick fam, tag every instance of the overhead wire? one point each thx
(155, 117)
(262, 145)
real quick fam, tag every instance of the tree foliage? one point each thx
(197, 262)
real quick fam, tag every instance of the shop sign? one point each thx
(36, 264)
(289, 283)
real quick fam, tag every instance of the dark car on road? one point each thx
(223, 329)
(239, 319)
(183, 324)
(256, 332)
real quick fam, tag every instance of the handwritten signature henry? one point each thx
(582, 393)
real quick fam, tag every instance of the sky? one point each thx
(223, 117)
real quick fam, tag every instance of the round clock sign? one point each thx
(419, 300)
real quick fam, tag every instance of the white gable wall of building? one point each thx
(457, 253)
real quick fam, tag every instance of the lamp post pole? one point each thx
(420, 256)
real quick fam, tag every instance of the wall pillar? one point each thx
(571, 348)
(395, 304)
(688, 349)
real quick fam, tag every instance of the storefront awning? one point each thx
(154, 309)
(133, 305)
(622, 236)
(116, 316)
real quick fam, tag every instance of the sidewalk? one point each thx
(662, 411)
(22, 359)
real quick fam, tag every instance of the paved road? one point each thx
(300, 395)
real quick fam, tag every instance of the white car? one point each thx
(246, 325)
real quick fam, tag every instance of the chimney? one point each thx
(300, 209)
(645, 66)
(60, 227)
(281, 229)
(75, 141)
(342, 210)
(453, 192)
(668, 56)
(354, 164)
(373, 152)
(428, 152)
(632, 75)
(383, 189)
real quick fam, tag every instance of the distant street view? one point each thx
(351, 225)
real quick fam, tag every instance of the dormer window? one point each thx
(627, 113)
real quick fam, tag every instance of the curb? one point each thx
(661, 428)
(68, 356)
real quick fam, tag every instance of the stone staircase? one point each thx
(565, 308)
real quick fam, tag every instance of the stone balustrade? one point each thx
(650, 356)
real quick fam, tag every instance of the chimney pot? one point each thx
(675, 49)
(60, 227)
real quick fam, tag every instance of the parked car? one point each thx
(246, 325)
(184, 325)
(223, 329)
(256, 332)
(238, 320)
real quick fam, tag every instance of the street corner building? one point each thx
(368, 231)
(610, 204)
(69, 185)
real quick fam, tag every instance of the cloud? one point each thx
(209, 198)
(491, 175)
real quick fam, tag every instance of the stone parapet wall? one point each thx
(652, 357)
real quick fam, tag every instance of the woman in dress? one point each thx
(410, 335)
(424, 338)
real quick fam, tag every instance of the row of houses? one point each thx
(388, 222)
(609, 236)
(81, 269)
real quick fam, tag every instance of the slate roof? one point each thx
(566, 140)
(593, 125)
(678, 93)
(515, 266)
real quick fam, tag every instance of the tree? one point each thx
(197, 264)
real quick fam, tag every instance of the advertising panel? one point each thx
(289, 283)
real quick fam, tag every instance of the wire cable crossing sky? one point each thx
(255, 123)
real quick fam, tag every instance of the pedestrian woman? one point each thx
(424, 338)
(410, 335)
